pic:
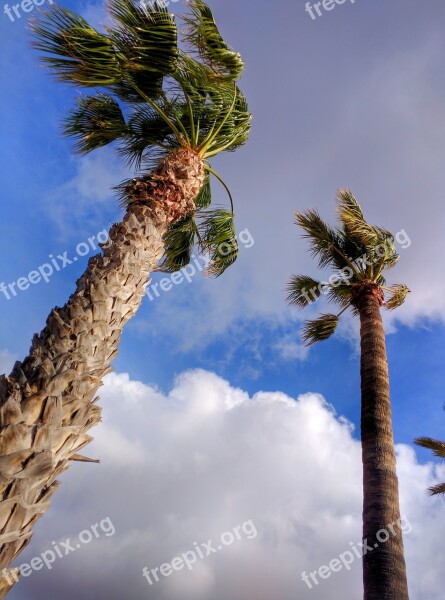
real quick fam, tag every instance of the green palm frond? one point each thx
(204, 198)
(179, 242)
(146, 129)
(213, 100)
(353, 220)
(218, 238)
(319, 329)
(237, 123)
(340, 294)
(437, 447)
(323, 240)
(204, 35)
(146, 41)
(95, 122)
(79, 54)
(195, 80)
(302, 290)
(347, 204)
(397, 296)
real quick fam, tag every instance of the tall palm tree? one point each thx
(360, 253)
(439, 450)
(168, 106)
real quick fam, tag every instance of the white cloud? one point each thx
(290, 349)
(7, 361)
(185, 467)
(87, 194)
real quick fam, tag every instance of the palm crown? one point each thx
(358, 252)
(152, 97)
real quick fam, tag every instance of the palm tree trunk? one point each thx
(384, 571)
(48, 403)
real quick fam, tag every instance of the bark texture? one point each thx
(384, 571)
(48, 403)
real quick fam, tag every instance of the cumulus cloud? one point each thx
(183, 468)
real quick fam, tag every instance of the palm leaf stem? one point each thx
(346, 259)
(194, 134)
(223, 183)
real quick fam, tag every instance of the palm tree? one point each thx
(439, 450)
(168, 106)
(360, 253)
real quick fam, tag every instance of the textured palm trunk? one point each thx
(384, 571)
(48, 403)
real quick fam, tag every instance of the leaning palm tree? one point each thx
(168, 106)
(439, 450)
(360, 253)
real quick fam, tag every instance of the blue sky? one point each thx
(355, 98)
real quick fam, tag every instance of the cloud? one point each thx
(181, 469)
(290, 349)
(6, 361)
(377, 139)
(87, 197)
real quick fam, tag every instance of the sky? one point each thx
(216, 416)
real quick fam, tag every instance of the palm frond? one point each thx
(204, 198)
(219, 111)
(302, 290)
(437, 447)
(146, 129)
(203, 34)
(218, 238)
(179, 241)
(439, 450)
(146, 41)
(95, 122)
(391, 260)
(195, 78)
(237, 122)
(79, 54)
(398, 293)
(323, 239)
(319, 329)
(353, 220)
(437, 490)
(340, 294)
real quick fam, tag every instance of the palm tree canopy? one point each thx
(151, 97)
(358, 253)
